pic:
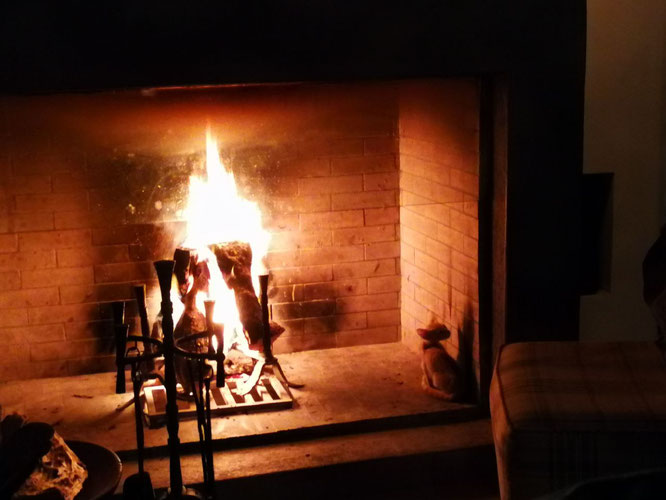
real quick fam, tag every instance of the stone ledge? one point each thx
(395, 459)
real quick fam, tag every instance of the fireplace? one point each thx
(368, 193)
(379, 148)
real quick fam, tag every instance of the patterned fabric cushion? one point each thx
(563, 412)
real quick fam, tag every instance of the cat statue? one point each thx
(442, 376)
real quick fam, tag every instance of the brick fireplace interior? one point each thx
(370, 192)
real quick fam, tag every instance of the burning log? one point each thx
(191, 322)
(235, 262)
(181, 270)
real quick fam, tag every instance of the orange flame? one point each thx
(216, 213)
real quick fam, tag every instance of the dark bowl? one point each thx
(104, 469)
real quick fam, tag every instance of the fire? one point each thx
(216, 213)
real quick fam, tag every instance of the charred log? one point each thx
(235, 262)
(187, 266)
(191, 322)
(181, 269)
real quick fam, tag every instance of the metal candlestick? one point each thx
(268, 348)
(201, 374)
(140, 296)
(271, 360)
(218, 332)
(164, 269)
(118, 310)
(120, 330)
(209, 307)
(139, 486)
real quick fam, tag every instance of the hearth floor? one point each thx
(347, 390)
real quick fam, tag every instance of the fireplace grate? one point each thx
(270, 393)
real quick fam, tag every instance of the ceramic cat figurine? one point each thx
(442, 376)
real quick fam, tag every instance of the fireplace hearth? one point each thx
(386, 395)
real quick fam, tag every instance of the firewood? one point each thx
(181, 258)
(191, 322)
(235, 262)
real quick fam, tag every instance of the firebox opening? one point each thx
(369, 192)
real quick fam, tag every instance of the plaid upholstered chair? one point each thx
(563, 412)
(566, 412)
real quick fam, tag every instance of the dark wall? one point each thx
(538, 46)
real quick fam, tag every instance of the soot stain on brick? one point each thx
(319, 310)
(149, 188)
(152, 188)
(325, 324)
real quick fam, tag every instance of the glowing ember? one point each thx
(216, 213)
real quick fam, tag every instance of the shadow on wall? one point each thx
(465, 358)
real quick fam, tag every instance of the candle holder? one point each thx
(120, 330)
(139, 486)
(194, 352)
(201, 374)
(270, 359)
(164, 269)
(140, 296)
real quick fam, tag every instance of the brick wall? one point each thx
(438, 134)
(91, 191)
(65, 256)
(334, 254)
